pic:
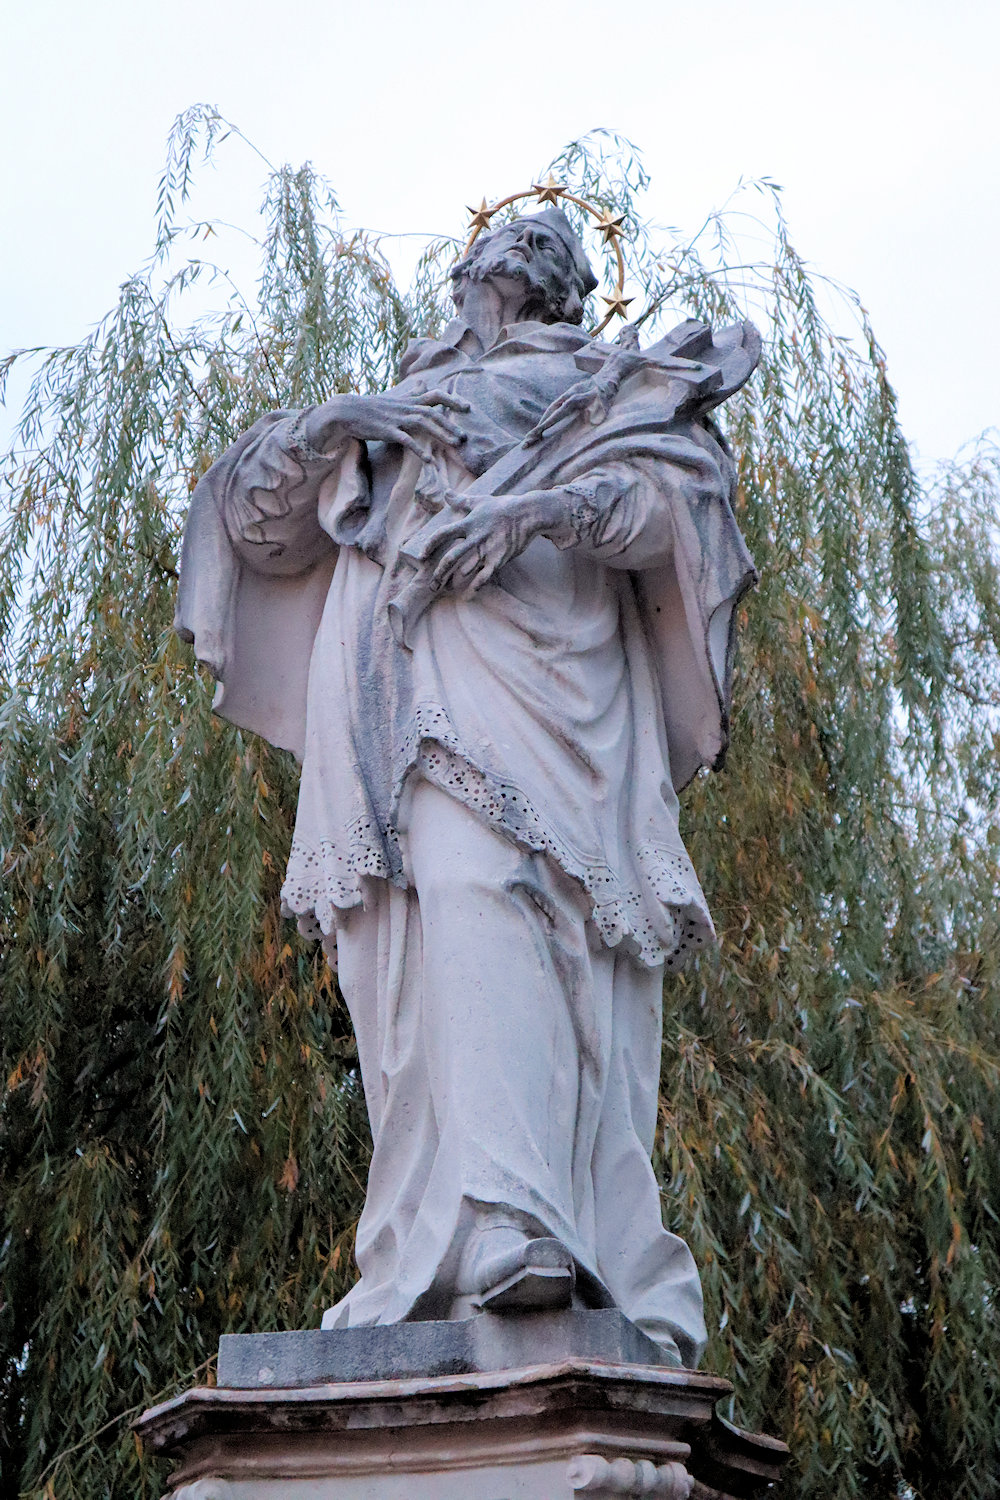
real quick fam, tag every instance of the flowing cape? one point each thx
(255, 631)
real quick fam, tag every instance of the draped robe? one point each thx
(488, 823)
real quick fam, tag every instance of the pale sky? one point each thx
(880, 119)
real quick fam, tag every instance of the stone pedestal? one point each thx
(456, 1411)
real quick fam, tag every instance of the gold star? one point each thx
(610, 225)
(617, 304)
(481, 216)
(548, 191)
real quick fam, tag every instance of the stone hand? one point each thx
(463, 554)
(590, 398)
(413, 422)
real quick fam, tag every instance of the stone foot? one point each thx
(534, 1276)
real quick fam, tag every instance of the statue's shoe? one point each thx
(534, 1276)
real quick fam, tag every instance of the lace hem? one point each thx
(322, 878)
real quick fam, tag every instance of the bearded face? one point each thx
(528, 263)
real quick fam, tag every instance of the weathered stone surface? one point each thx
(490, 608)
(402, 1350)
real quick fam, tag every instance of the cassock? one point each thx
(487, 831)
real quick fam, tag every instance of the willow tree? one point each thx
(182, 1136)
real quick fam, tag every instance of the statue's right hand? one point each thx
(413, 422)
(591, 396)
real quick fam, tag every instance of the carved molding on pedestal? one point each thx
(203, 1489)
(599, 1478)
(576, 1429)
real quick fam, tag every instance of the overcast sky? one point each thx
(881, 119)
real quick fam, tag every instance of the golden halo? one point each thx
(550, 192)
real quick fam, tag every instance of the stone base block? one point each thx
(465, 1346)
(573, 1427)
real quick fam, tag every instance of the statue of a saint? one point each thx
(491, 613)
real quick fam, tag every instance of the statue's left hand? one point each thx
(463, 554)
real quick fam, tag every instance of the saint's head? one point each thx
(538, 258)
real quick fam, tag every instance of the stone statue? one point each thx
(491, 612)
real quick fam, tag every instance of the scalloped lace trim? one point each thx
(324, 876)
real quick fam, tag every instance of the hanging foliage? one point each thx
(182, 1133)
